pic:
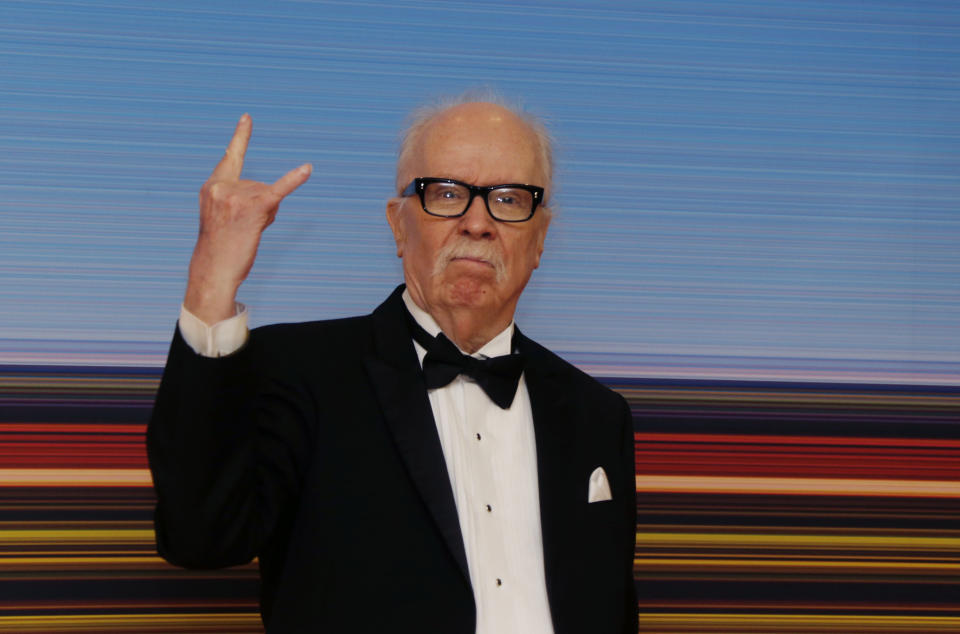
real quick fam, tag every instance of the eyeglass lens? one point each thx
(451, 199)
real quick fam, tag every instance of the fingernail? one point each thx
(244, 117)
(306, 169)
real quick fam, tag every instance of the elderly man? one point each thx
(425, 468)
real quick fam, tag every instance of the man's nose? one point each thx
(476, 222)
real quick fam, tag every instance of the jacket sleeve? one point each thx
(227, 446)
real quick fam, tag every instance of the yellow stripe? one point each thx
(748, 540)
(793, 563)
(236, 622)
(127, 559)
(76, 536)
(680, 622)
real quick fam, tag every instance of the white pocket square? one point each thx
(599, 487)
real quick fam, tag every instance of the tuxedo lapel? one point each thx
(398, 382)
(555, 437)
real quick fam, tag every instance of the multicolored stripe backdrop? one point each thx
(756, 242)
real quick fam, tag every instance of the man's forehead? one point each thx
(479, 140)
(476, 141)
(475, 117)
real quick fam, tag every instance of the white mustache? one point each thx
(485, 251)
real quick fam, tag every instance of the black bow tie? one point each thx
(497, 376)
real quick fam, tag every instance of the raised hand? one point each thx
(233, 215)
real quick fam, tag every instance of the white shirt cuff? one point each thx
(222, 338)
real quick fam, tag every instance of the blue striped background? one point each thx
(746, 189)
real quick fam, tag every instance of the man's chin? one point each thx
(470, 290)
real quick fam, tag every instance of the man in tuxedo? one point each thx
(424, 468)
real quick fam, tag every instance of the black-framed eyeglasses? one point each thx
(447, 198)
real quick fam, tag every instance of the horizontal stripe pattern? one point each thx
(788, 507)
(804, 507)
(77, 550)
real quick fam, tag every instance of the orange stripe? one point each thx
(75, 478)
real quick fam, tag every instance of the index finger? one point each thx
(231, 165)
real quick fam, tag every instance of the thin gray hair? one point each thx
(421, 117)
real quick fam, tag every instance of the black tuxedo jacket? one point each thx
(314, 448)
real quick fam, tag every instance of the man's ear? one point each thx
(544, 225)
(396, 223)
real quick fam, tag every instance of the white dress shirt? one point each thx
(491, 458)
